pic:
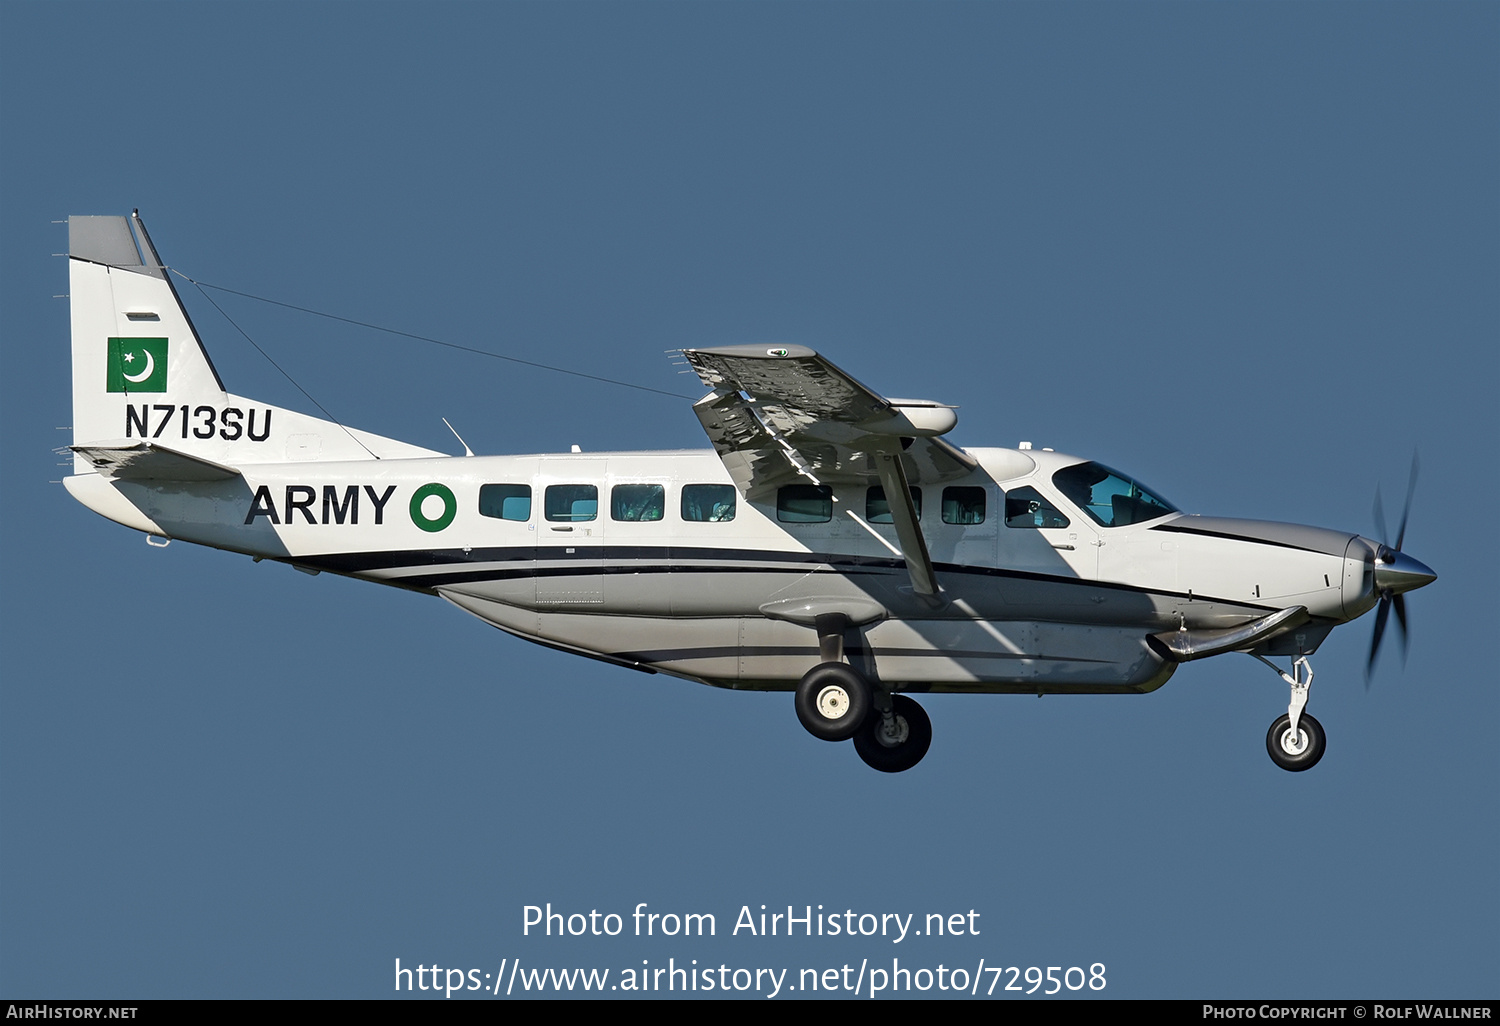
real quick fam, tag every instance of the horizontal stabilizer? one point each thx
(147, 461)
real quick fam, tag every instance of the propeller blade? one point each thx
(1400, 603)
(1380, 615)
(1411, 487)
(1389, 597)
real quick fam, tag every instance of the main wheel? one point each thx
(898, 745)
(833, 701)
(1299, 752)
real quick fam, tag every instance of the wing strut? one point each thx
(908, 530)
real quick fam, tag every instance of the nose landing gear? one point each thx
(1296, 740)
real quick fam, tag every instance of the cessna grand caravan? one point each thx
(831, 544)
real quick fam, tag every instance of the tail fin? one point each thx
(140, 370)
(133, 343)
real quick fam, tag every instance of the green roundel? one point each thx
(450, 507)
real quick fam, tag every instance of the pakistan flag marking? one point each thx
(136, 365)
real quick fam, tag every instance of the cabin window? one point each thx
(711, 502)
(1109, 498)
(505, 501)
(963, 505)
(804, 504)
(878, 511)
(1026, 507)
(637, 502)
(572, 502)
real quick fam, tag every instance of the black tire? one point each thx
(911, 719)
(833, 701)
(1284, 755)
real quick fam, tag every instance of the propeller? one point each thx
(1395, 574)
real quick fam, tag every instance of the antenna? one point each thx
(467, 450)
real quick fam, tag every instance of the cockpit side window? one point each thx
(1109, 498)
(1027, 507)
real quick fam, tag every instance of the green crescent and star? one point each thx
(136, 365)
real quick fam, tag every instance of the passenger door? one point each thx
(570, 534)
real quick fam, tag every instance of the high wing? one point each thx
(777, 414)
(784, 413)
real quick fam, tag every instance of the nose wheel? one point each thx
(1299, 749)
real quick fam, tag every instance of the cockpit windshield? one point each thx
(1110, 498)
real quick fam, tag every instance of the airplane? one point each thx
(832, 543)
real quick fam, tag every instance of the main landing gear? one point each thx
(896, 739)
(1296, 740)
(835, 703)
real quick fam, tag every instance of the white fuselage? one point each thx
(1023, 608)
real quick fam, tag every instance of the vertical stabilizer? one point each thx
(140, 370)
(133, 343)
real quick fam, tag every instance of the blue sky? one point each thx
(1246, 252)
